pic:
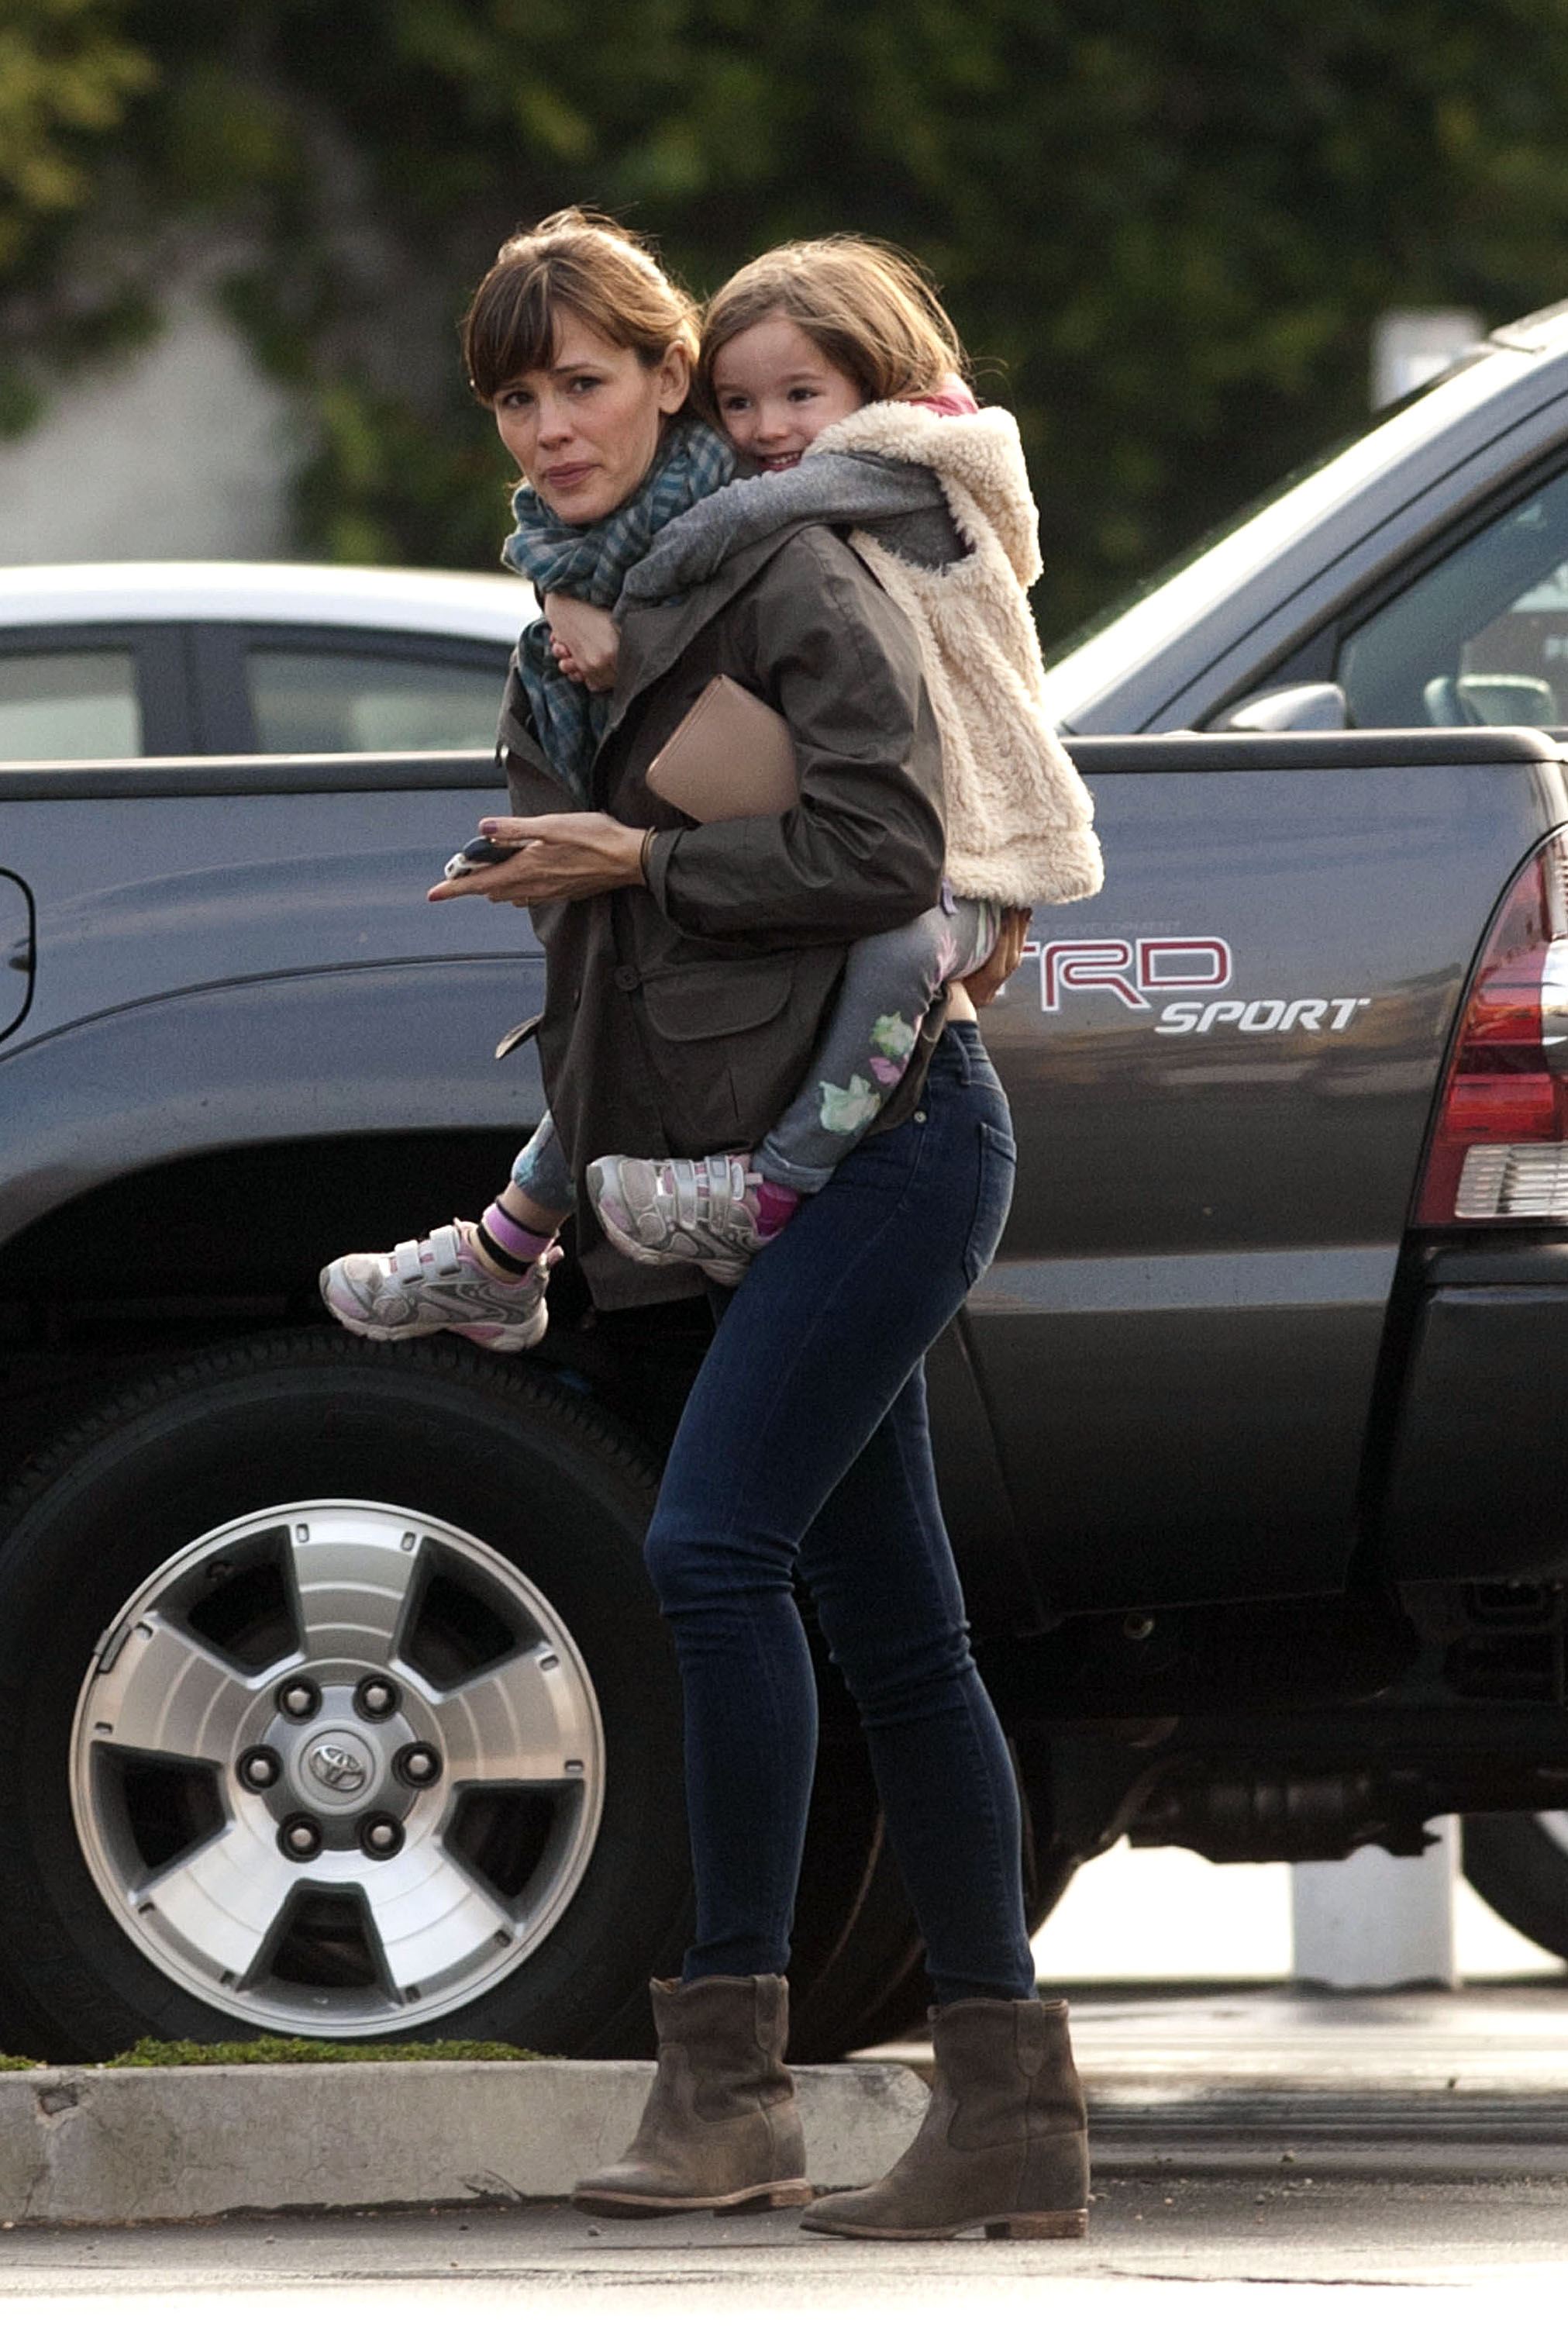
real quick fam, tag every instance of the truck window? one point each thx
(1481, 638)
(328, 702)
(69, 706)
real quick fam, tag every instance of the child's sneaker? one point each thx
(433, 1284)
(699, 1210)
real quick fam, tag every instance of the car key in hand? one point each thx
(476, 853)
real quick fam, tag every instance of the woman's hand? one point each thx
(584, 640)
(984, 984)
(557, 856)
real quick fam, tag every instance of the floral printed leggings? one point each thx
(890, 981)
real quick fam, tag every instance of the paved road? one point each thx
(1413, 2081)
(1166, 2249)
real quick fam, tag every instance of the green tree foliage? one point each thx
(1164, 229)
(67, 73)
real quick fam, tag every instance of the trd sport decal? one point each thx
(1138, 970)
(1132, 967)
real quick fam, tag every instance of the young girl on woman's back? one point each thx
(832, 365)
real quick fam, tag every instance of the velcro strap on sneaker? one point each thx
(448, 1249)
(687, 1190)
(724, 1186)
(406, 1264)
(439, 1253)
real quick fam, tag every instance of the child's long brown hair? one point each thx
(870, 308)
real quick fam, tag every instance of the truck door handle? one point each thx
(21, 957)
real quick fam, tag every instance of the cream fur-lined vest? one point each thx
(1020, 821)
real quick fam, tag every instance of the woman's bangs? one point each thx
(518, 330)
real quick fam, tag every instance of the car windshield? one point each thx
(1083, 665)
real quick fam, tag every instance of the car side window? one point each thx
(306, 701)
(1481, 638)
(69, 705)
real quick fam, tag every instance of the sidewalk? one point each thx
(100, 2144)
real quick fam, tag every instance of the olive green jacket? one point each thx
(679, 1017)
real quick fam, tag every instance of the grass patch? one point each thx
(293, 2051)
(10, 2061)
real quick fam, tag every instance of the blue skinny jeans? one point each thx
(804, 1448)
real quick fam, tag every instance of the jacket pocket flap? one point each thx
(709, 999)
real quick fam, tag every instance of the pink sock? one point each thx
(507, 1240)
(776, 1208)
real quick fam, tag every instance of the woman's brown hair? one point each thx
(870, 308)
(588, 265)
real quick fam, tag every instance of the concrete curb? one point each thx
(100, 2144)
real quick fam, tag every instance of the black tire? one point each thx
(1516, 1861)
(484, 1445)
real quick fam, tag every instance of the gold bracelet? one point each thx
(643, 854)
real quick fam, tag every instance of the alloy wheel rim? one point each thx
(338, 1768)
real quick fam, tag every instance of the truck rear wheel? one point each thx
(1519, 1861)
(334, 1701)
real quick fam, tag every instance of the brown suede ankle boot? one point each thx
(721, 2131)
(1002, 2146)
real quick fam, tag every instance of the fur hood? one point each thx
(978, 455)
(1020, 821)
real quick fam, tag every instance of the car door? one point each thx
(1475, 633)
(79, 691)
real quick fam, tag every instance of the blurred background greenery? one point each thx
(1164, 226)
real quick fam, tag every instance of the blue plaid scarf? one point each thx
(591, 562)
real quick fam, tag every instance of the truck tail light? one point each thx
(1501, 1147)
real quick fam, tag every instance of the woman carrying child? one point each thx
(692, 969)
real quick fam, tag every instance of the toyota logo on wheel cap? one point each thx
(338, 1765)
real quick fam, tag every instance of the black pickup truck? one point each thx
(331, 1696)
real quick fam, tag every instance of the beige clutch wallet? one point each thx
(731, 755)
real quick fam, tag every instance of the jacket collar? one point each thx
(654, 638)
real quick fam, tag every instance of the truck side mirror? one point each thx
(1291, 710)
